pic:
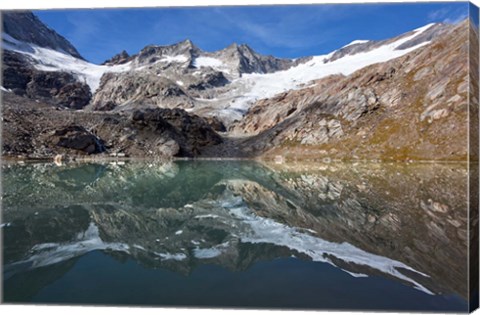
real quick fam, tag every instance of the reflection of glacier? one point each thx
(268, 231)
(52, 253)
(367, 222)
(247, 227)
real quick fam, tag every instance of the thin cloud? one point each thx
(283, 27)
(283, 31)
(438, 14)
(457, 19)
(446, 15)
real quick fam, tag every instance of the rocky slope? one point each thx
(37, 130)
(412, 107)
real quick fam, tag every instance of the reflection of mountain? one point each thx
(403, 222)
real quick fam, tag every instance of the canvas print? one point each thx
(318, 156)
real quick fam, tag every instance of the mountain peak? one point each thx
(187, 42)
(239, 47)
(27, 27)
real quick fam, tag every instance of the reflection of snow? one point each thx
(354, 274)
(87, 241)
(168, 256)
(231, 214)
(205, 253)
(206, 216)
(264, 230)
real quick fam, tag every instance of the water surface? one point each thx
(239, 234)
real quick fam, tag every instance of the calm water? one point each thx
(240, 234)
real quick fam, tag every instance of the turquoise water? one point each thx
(236, 234)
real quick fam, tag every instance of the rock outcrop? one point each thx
(78, 138)
(37, 130)
(118, 59)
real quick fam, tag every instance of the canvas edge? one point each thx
(473, 169)
(1, 161)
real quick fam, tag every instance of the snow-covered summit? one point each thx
(356, 42)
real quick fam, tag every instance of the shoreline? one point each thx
(276, 160)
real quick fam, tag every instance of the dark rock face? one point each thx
(119, 59)
(78, 138)
(216, 124)
(106, 106)
(74, 95)
(190, 131)
(60, 87)
(38, 130)
(210, 80)
(26, 27)
(57, 88)
(16, 72)
(19, 74)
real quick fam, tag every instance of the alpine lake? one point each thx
(241, 234)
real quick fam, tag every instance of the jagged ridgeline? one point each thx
(381, 100)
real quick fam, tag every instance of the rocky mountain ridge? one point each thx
(314, 106)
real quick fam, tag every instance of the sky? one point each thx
(282, 31)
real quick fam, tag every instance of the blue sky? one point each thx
(282, 31)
